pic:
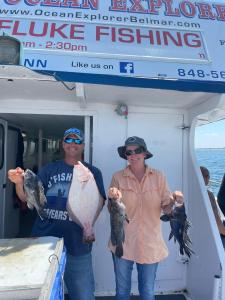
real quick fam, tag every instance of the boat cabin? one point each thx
(116, 69)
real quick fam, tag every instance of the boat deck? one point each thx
(158, 297)
(27, 220)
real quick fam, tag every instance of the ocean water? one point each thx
(214, 161)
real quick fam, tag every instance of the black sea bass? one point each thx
(179, 228)
(117, 220)
(35, 193)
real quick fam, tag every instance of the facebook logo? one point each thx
(126, 67)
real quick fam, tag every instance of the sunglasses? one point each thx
(135, 151)
(72, 140)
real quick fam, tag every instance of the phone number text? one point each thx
(201, 73)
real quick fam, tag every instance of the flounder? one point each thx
(84, 201)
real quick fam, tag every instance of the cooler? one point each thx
(32, 268)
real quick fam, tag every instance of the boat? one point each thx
(116, 69)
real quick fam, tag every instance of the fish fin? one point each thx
(165, 218)
(126, 218)
(43, 199)
(42, 214)
(88, 233)
(119, 251)
(84, 173)
(123, 236)
(181, 250)
(188, 251)
(29, 205)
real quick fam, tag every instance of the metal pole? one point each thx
(217, 288)
(40, 148)
(87, 138)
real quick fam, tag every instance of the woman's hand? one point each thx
(178, 197)
(114, 193)
(16, 175)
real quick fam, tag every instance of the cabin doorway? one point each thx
(3, 125)
(31, 141)
(9, 140)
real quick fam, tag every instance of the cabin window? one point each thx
(51, 151)
(1, 146)
(25, 148)
(32, 147)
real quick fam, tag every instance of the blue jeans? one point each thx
(79, 277)
(146, 279)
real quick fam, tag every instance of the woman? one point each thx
(145, 194)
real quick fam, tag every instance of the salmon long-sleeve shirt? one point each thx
(144, 203)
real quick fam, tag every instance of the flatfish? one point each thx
(84, 201)
(35, 193)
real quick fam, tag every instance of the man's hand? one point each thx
(16, 175)
(178, 197)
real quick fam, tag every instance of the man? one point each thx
(221, 195)
(220, 225)
(56, 178)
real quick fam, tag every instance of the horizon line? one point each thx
(210, 147)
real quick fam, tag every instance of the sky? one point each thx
(211, 135)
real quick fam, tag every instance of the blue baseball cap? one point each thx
(79, 133)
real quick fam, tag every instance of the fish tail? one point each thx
(188, 251)
(182, 249)
(119, 251)
(88, 239)
(88, 233)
